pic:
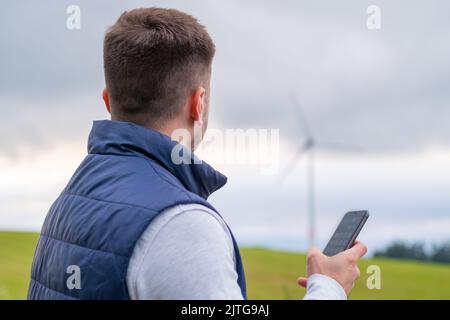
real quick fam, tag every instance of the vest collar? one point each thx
(125, 138)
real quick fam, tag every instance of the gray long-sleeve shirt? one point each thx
(187, 253)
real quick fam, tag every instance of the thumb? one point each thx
(302, 281)
(358, 249)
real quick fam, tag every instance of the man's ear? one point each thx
(197, 104)
(105, 96)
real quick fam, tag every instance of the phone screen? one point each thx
(346, 232)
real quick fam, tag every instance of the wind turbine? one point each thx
(308, 149)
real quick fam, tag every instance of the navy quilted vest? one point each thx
(124, 182)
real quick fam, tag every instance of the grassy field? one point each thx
(270, 274)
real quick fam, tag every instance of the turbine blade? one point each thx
(303, 122)
(294, 161)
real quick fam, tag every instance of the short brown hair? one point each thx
(153, 59)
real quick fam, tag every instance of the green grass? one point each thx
(270, 274)
(16, 254)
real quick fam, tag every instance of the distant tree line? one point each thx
(416, 251)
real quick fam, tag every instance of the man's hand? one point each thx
(341, 267)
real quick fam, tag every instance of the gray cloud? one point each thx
(387, 90)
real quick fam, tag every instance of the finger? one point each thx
(313, 252)
(302, 281)
(358, 249)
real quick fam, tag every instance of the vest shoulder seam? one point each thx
(109, 201)
(81, 246)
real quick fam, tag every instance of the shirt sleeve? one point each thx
(321, 287)
(185, 253)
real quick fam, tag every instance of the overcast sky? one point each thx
(385, 90)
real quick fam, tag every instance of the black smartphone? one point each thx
(345, 235)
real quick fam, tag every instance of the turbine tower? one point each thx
(308, 149)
